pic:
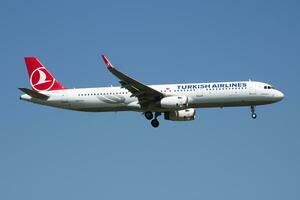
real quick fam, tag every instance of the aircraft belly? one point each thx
(101, 104)
(228, 101)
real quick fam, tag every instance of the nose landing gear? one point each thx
(253, 114)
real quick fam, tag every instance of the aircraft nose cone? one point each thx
(279, 95)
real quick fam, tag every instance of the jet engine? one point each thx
(181, 115)
(174, 102)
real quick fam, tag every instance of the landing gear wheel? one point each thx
(253, 112)
(155, 123)
(149, 115)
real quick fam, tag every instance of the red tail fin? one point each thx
(39, 77)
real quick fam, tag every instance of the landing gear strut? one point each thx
(155, 122)
(253, 115)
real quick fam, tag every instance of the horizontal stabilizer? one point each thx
(34, 94)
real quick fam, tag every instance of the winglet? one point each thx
(107, 63)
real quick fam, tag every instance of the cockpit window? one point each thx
(268, 87)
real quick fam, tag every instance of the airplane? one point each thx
(178, 102)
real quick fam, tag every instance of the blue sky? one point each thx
(48, 153)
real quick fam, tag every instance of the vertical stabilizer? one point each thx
(39, 77)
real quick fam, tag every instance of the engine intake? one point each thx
(181, 115)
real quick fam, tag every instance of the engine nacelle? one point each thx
(181, 115)
(174, 102)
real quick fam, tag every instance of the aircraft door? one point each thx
(252, 89)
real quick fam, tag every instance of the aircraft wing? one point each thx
(144, 93)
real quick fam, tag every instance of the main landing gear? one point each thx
(253, 114)
(149, 116)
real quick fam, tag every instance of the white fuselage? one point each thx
(200, 95)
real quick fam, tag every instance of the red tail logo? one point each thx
(40, 78)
